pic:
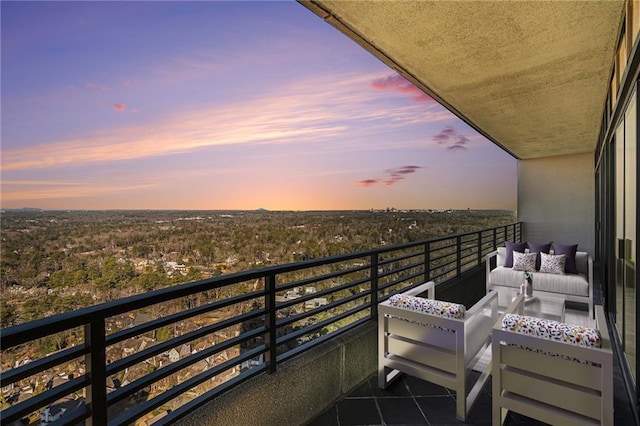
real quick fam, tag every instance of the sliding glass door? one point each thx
(625, 225)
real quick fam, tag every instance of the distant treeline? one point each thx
(55, 261)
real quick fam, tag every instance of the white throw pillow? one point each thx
(524, 261)
(553, 264)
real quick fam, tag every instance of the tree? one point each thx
(8, 315)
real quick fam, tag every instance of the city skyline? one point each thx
(223, 106)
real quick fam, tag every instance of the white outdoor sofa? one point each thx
(538, 374)
(433, 347)
(573, 287)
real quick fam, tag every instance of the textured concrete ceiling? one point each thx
(530, 75)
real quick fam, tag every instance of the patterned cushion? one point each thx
(552, 330)
(552, 264)
(524, 261)
(428, 306)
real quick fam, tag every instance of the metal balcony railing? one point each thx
(158, 356)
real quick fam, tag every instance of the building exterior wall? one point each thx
(556, 200)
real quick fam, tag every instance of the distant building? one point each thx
(315, 303)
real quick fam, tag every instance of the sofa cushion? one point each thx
(573, 284)
(552, 330)
(570, 252)
(553, 264)
(428, 306)
(538, 248)
(511, 247)
(524, 261)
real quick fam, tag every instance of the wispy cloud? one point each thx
(391, 176)
(316, 109)
(452, 139)
(397, 83)
(91, 85)
(17, 191)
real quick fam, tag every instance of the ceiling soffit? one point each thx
(530, 76)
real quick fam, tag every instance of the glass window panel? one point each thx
(630, 165)
(619, 141)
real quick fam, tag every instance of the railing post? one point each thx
(495, 239)
(519, 225)
(427, 262)
(374, 286)
(96, 368)
(479, 248)
(459, 255)
(270, 305)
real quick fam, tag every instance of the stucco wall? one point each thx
(301, 388)
(556, 200)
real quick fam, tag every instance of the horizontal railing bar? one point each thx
(384, 262)
(442, 265)
(140, 409)
(138, 357)
(173, 318)
(401, 269)
(473, 256)
(39, 365)
(74, 417)
(15, 412)
(442, 274)
(444, 256)
(331, 290)
(313, 280)
(451, 248)
(472, 261)
(281, 322)
(382, 298)
(310, 329)
(400, 280)
(305, 346)
(174, 367)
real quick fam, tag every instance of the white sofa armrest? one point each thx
(488, 258)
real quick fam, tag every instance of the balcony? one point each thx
(277, 345)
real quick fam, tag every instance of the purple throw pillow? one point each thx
(538, 248)
(511, 247)
(570, 252)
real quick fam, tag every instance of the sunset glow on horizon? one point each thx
(221, 106)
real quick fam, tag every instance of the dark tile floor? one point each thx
(411, 401)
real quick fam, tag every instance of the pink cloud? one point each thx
(399, 84)
(392, 176)
(119, 107)
(448, 136)
(367, 182)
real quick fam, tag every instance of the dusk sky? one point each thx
(223, 105)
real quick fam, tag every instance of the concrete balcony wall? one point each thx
(556, 200)
(306, 385)
(301, 388)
